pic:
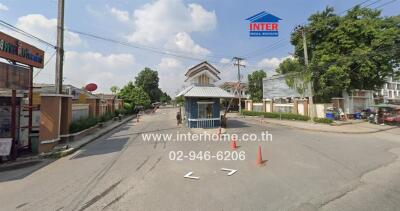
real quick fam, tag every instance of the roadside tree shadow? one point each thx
(109, 145)
(147, 131)
(233, 123)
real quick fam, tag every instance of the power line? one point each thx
(373, 3)
(279, 43)
(137, 46)
(276, 47)
(251, 53)
(48, 60)
(22, 32)
(359, 4)
(384, 4)
(142, 47)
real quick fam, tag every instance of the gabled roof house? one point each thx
(202, 97)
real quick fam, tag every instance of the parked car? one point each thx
(156, 104)
(395, 120)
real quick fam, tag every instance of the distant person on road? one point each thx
(178, 118)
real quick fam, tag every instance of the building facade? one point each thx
(202, 97)
(233, 88)
(391, 90)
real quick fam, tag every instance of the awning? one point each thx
(205, 91)
(382, 105)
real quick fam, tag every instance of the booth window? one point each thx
(205, 110)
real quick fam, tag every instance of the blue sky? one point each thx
(215, 30)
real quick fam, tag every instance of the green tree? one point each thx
(140, 97)
(165, 98)
(255, 80)
(355, 51)
(180, 100)
(134, 95)
(114, 89)
(148, 80)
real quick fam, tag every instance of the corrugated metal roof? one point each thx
(205, 91)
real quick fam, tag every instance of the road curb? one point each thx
(329, 131)
(19, 163)
(66, 152)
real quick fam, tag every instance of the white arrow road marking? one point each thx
(188, 175)
(232, 171)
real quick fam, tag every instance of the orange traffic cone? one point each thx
(259, 160)
(233, 144)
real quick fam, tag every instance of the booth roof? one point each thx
(205, 91)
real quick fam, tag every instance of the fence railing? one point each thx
(80, 111)
(204, 123)
(258, 107)
(283, 108)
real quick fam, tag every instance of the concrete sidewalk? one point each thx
(359, 128)
(66, 148)
(70, 147)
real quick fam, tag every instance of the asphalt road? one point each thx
(303, 171)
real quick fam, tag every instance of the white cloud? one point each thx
(158, 21)
(3, 7)
(224, 61)
(169, 63)
(121, 15)
(270, 64)
(184, 43)
(45, 29)
(201, 19)
(81, 68)
(172, 74)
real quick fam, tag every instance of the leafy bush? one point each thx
(82, 124)
(107, 116)
(128, 108)
(323, 120)
(121, 111)
(277, 115)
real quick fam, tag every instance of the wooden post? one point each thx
(30, 96)
(13, 153)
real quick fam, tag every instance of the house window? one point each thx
(205, 110)
(203, 79)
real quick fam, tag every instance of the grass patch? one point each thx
(323, 120)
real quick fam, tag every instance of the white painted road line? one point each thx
(232, 171)
(188, 175)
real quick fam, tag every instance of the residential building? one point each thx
(202, 97)
(232, 87)
(391, 90)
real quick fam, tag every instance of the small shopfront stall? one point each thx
(16, 88)
(202, 98)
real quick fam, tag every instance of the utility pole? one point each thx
(60, 47)
(238, 64)
(310, 89)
